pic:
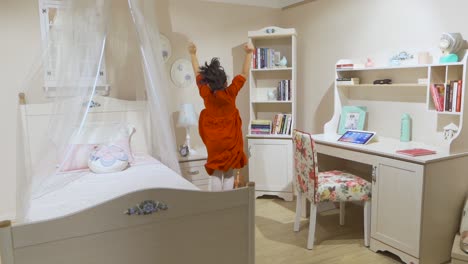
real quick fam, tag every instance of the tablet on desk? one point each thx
(357, 136)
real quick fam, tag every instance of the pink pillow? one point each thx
(79, 154)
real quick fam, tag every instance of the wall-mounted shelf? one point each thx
(386, 103)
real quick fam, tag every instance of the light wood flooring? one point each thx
(276, 242)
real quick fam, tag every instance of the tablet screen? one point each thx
(358, 137)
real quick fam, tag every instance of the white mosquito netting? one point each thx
(97, 55)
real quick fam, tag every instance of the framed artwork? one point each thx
(352, 117)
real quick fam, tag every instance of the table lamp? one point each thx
(187, 118)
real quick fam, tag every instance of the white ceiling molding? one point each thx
(261, 3)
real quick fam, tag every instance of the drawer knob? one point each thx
(194, 172)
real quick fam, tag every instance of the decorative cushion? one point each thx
(90, 137)
(338, 186)
(107, 158)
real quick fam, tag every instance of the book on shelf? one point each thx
(283, 90)
(452, 94)
(416, 152)
(438, 93)
(265, 58)
(459, 96)
(260, 126)
(282, 124)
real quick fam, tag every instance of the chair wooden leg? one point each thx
(312, 222)
(367, 222)
(342, 213)
(297, 221)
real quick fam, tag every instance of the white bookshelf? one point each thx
(270, 155)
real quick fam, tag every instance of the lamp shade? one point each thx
(187, 116)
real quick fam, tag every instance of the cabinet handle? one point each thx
(194, 172)
(374, 174)
(250, 153)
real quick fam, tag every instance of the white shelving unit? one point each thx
(404, 95)
(407, 208)
(270, 155)
(48, 11)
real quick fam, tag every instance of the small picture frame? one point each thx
(352, 118)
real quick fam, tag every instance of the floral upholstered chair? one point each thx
(329, 186)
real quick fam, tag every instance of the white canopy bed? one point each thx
(142, 212)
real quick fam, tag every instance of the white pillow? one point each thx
(108, 158)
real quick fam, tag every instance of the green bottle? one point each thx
(405, 132)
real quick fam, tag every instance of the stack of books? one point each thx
(264, 58)
(283, 91)
(282, 124)
(260, 127)
(447, 97)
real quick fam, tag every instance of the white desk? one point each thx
(416, 201)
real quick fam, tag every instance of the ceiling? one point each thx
(263, 3)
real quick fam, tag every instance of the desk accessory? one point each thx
(451, 44)
(416, 152)
(450, 130)
(357, 136)
(383, 81)
(405, 130)
(352, 118)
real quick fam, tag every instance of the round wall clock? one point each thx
(166, 48)
(182, 73)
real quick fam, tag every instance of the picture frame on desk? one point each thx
(352, 118)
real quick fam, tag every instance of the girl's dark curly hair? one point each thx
(213, 74)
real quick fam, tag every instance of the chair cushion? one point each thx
(339, 186)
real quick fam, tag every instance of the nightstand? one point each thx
(193, 169)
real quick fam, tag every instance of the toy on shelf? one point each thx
(451, 44)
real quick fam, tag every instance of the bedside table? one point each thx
(193, 169)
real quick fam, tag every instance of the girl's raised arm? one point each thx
(248, 48)
(192, 49)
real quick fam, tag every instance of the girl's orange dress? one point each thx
(220, 127)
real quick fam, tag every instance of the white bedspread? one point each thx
(91, 189)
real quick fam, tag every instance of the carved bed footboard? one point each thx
(148, 226)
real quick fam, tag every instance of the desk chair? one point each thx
(334, 186)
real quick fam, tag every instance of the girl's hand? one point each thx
(192, 49)
(249, 47)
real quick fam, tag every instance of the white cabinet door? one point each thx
(396, 205)
(270, 164)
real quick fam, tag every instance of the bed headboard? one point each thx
(35, 120)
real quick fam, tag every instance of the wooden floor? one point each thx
(276, 242)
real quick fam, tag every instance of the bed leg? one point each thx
(6, 243)
(251, 186)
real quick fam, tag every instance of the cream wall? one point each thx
(19, 44)
(329, 30)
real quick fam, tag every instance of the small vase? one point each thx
(283, 62)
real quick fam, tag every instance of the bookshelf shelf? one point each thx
(270, 155)
(270, 136)
(383, 85)
(272, 69)
(271, 102)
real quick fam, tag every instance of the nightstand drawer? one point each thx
(202, 184)
(194, 173)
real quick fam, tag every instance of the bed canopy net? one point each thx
(97, 52)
